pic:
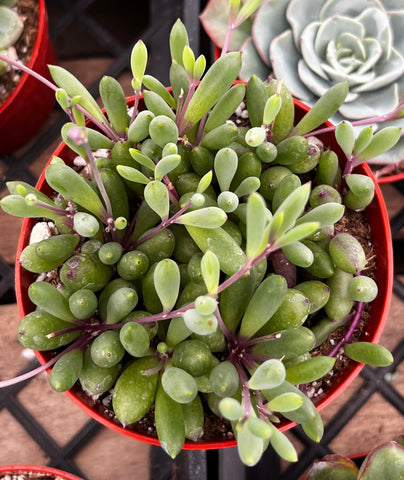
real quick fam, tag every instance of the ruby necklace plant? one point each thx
(163, 276)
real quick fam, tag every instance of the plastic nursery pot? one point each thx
(48, 472)
(27, 108)
(376, 216)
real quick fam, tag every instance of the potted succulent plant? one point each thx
(29, 99)
(384, 461)
(31, 472)
(311, 46)
(195, 255)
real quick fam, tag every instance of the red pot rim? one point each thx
(42, 30)
(38, 469)
(390, 178)
(381, 237)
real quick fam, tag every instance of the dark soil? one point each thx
(29, 13)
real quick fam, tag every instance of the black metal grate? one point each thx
(88, 20)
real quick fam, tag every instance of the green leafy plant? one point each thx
(181, 234)
(384, 461)
(11, 27)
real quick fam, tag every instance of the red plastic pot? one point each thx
(23, 469)
(377, 217)
(27, 108)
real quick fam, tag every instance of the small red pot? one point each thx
(377, 218)
(21, 469)
(27, 108)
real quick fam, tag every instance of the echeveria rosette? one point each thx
(360, 42)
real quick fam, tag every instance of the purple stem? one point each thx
(352, 327)
(164, 224)
(79, 343)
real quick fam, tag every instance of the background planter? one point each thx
(27, 108)
(21, 469)
(377, 218)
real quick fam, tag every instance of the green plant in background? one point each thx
(11, 27)
(166, 276)
(384, 461)
(311, 45)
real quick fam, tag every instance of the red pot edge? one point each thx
(38, 469)
(381, 303)
(390, 179)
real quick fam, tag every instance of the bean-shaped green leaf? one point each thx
(298, 254)
(263, 304)
(74, 87)
(134, 392)
(347, 253)
(360, 185)
(225, 107)
(230, 408)
(167, 283)
(138, 63)
(178, 41)
(210, 269)
(217, 80)
(272, 107)
(381, 142)
(208, 217)
(224, 379)
(156, 196)
(156, 86)
(194, 419)
(120, 304)
(66, 371)
(157, 105)
(345, 135)
(369, 353)
(297, 233)
(259, 427)
(132, 174)
(139, 128)
(256, 228)
(326, 214)
(166, 165)
(282, 445)
(72, 186)
(163, 130)
(141, 158)
(222, 244)
(269, 374)
(285, 402)
(169, 419)
(362, 289)
(315, 428)
(17, 206)
(309, 370)
(225, 166)
(323, 109)
(179, 385)
(199, 323)
(249, 446)
(290, 209)
(50, 299)
(114, 101)
(289, 344)
(364, 138)
(35, 328)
